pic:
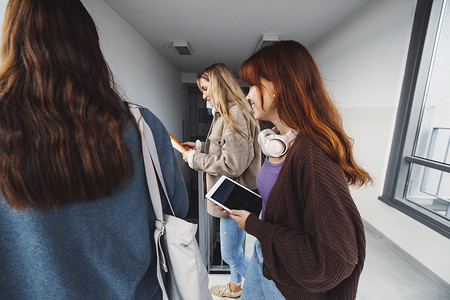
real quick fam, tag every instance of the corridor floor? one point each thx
(387, 274)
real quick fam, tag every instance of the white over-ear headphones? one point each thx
(275, 145)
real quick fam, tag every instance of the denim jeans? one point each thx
(231, 240)
(257, 286)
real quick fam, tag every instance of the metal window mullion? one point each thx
(408, 111)
(447, 150)
(428, 163)
(442, 173)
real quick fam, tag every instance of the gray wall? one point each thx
(145, 76)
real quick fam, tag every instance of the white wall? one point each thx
(144, 75)
(363, 62)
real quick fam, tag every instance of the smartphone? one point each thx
(176, 144)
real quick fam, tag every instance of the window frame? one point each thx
(415, 81)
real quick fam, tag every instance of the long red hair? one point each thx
(302, 101)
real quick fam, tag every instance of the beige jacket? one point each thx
(229, 154)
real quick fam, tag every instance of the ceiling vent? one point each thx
(182, 47)
(267, 39)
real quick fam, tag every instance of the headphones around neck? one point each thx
(275, 145)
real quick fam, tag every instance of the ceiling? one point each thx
(228, 31)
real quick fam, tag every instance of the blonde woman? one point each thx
(231, 148)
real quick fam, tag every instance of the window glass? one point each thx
(418, 175)
(434, 132)
(430, 189)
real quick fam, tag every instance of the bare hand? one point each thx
(189, 145)
(240, 216)
(186, 155)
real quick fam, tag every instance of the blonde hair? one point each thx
(225, 91)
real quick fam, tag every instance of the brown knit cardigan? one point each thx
(312, 237)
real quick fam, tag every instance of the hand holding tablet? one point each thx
(229, 194)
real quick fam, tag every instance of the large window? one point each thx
(418, 177)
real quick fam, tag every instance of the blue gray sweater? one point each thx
(102, 249)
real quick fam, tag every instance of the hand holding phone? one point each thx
(177, 144)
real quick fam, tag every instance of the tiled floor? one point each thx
(387, 275)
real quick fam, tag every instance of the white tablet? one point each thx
(229, 194)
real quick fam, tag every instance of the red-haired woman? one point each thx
(311, 242)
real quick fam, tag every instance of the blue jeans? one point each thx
(257, 286)
(231, 240)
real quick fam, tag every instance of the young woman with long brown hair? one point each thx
(310, 236)
(75, 216)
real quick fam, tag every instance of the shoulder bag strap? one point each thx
(151, 163)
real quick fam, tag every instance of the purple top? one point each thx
(265, 180)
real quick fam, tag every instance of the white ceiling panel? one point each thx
(229, 31)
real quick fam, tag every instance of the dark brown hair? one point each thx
(302, 101)
(61, 123)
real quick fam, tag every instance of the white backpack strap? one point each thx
(151, 161)
(148, 142)
(159, 223)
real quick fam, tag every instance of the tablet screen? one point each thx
(234, 196)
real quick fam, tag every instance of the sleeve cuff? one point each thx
(198, 145)
(191, 158)
(253, 225)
